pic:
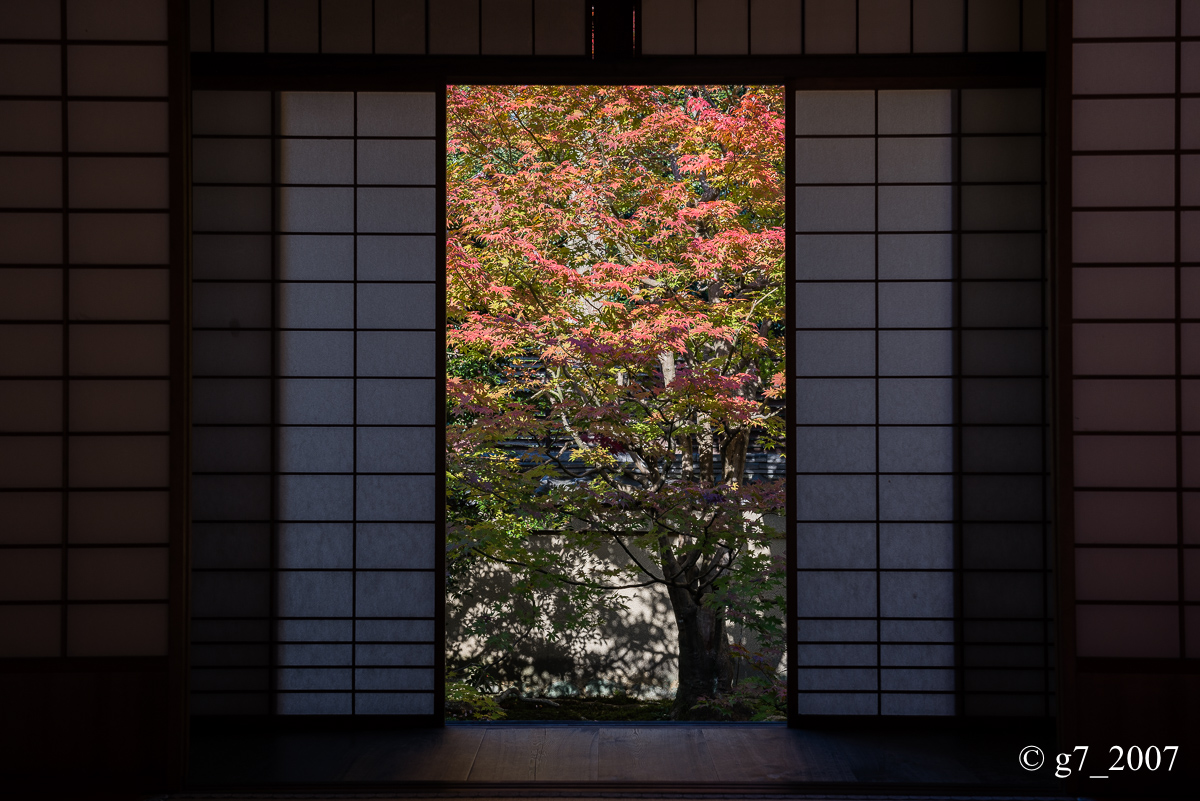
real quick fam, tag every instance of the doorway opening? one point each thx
(616, 305)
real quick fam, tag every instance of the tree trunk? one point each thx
(734, 456)
(705, 665)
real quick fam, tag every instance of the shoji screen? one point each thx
(414, 27)
(316, 391)
(84, 391)
(914, 341)
(1006, 654)
(232, 402)
(1136, 247)
(725, 27)
(667, 27)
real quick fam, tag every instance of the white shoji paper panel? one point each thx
(315, 575)
(1136, 515)
(909, 327)
(83, 265)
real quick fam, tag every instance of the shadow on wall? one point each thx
(633, 652)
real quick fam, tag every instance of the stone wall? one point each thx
(634, 652)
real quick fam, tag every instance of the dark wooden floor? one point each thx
(620, 755)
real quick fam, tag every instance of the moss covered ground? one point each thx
(589, 709)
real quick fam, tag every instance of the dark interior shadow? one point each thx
(838, 757)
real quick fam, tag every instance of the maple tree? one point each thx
(615, 301)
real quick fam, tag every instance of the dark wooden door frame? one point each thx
(433, 73)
